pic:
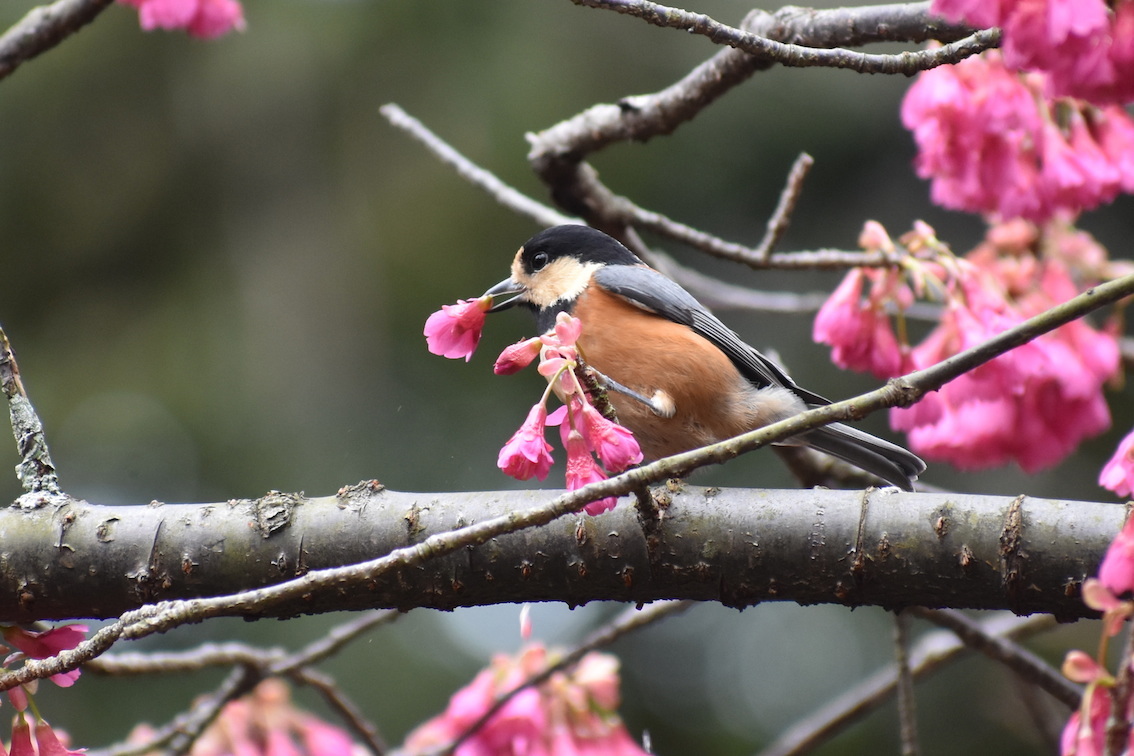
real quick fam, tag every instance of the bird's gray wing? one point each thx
(651, 291)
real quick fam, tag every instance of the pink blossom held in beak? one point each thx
(527, 453)
(454, 331)
(518, 356)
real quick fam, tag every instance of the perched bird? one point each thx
(677, 376)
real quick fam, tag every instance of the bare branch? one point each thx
(796, 55)
(36, 471)
(474, 174)
(930, 654)
(907, 707)
(1020, 660)
(43, 28)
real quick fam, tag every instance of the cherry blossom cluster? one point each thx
(206, 19)
(1084, 47)
(1086, 731)
(454, 332)
(1033, 405)
(571, 714)
(30, 644)
(991, 142)
(265, 723)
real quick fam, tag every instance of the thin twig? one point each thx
(903, 391)
(253, 664)
(907, 704)
(36, 471)
(627, 622)
(928, 655)
(355, 720)
(906, 63)
(466, 169)
(781, 217)
(43, 28)
(1020, 660)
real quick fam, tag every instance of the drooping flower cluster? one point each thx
(572, 713)
(454, 332)
(858, 330)
(1033, 405)
(1085, 47)
(583, 430)
(265, 723)
(1086, 731)
(206, 19)
(992, 143)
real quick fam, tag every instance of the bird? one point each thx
(677, 376)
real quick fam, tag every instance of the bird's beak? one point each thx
(503, 289)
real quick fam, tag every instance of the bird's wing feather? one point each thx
(650, 290)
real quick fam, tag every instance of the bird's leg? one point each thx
(660, 404)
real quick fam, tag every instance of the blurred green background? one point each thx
(218, 258)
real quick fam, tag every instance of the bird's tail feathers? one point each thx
(888, 461)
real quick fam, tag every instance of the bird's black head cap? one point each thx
(585, 244)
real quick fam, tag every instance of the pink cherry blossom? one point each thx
(570, 714)
(991, 142)
(518, 356)
(47, 643)
(614, 445)
(1087, 736)
(1118, 474)
(454, 331)
(1084, 48)
(21, 738)
(859, 332)
(527, 453)
(582, 470)
(49, 744)
(206, 19)
(1117, 569)
(1035, 404)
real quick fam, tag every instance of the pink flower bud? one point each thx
(516, 357)
(527, 453)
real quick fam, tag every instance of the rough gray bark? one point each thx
(736, 546)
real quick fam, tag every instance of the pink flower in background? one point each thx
(47, 643)
(454, 331)
(1116, 572)
(1033, 405)
(1086, 736)
(859, 331)
(990, 142)
(1084, 47)
(571, 714)
(206, 19)
(527, 453)
(1118, 474)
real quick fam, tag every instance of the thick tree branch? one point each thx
(851, 547)
(43, 28)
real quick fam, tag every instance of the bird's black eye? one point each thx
(539, 261)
